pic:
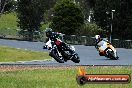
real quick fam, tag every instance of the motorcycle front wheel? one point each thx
(111, 55)
(76, 58)
(56, 56)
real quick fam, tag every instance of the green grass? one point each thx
(8, 24)
(58, 78)
(13, 54)
(8, 21)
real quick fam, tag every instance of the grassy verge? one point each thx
(13, 54)
(56, 77)
(8, 21)
(9, 28)
(8, 24)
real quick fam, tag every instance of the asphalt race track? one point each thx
(88, 55)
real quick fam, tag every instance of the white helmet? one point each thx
(97, 36)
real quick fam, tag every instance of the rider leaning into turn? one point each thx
(53, 36)
(99, 41)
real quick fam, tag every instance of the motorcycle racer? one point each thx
(100, 43)
(103, 46)
(53, 36)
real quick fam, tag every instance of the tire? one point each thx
(57, 57)
(76, 58)
(111, 55)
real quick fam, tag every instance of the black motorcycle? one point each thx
(60, 54)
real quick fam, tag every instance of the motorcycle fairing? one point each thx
(58, 42)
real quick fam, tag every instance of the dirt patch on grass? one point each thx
(33, 67)
(18, 67)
